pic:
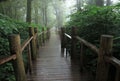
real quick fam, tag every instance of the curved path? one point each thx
(51, 65)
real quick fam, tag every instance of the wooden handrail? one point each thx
(113, 60)
(35, 35)
(86, 43)
(26, 43)
(67, 35)
(91, 46)
(7, 59)
(45, 31)
(17, 48)
(40, 34)
(104, 53)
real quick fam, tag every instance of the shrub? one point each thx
(92, 22)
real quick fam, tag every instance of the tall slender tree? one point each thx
(29, 10)
(79, 4)
(108, 2)
(36, 11)
(100, 2)
(90, 2)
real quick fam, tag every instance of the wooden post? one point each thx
(105, 50)
(18, 65)
(81, 57)
(117, 78)
(47, 33)
(37, 41)
(33, 44)
(40, 40)
(73, 42)
(29, 59)
(62, 37)
(43, 36)
(36, 30)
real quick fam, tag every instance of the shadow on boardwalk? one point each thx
(52, 66)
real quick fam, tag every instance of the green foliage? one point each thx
(39, 27)
(6, 72)
(92, 22)
(9, 26)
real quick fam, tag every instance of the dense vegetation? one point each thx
(92, 22)
(9, 26)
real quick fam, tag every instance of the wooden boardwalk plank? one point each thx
(52, 66)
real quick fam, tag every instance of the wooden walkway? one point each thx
(51, 65)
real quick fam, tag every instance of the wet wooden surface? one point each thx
(51, 65)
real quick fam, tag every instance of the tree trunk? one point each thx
(3, 0)
(36, 15)
(78, 6)
(28, 16)
(91, 2)
(108, 2)
(45, 16)
(100, 2)
(36, 7)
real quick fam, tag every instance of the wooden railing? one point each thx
(104, 53)
(33, 42)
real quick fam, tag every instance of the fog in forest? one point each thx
(45, 12)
